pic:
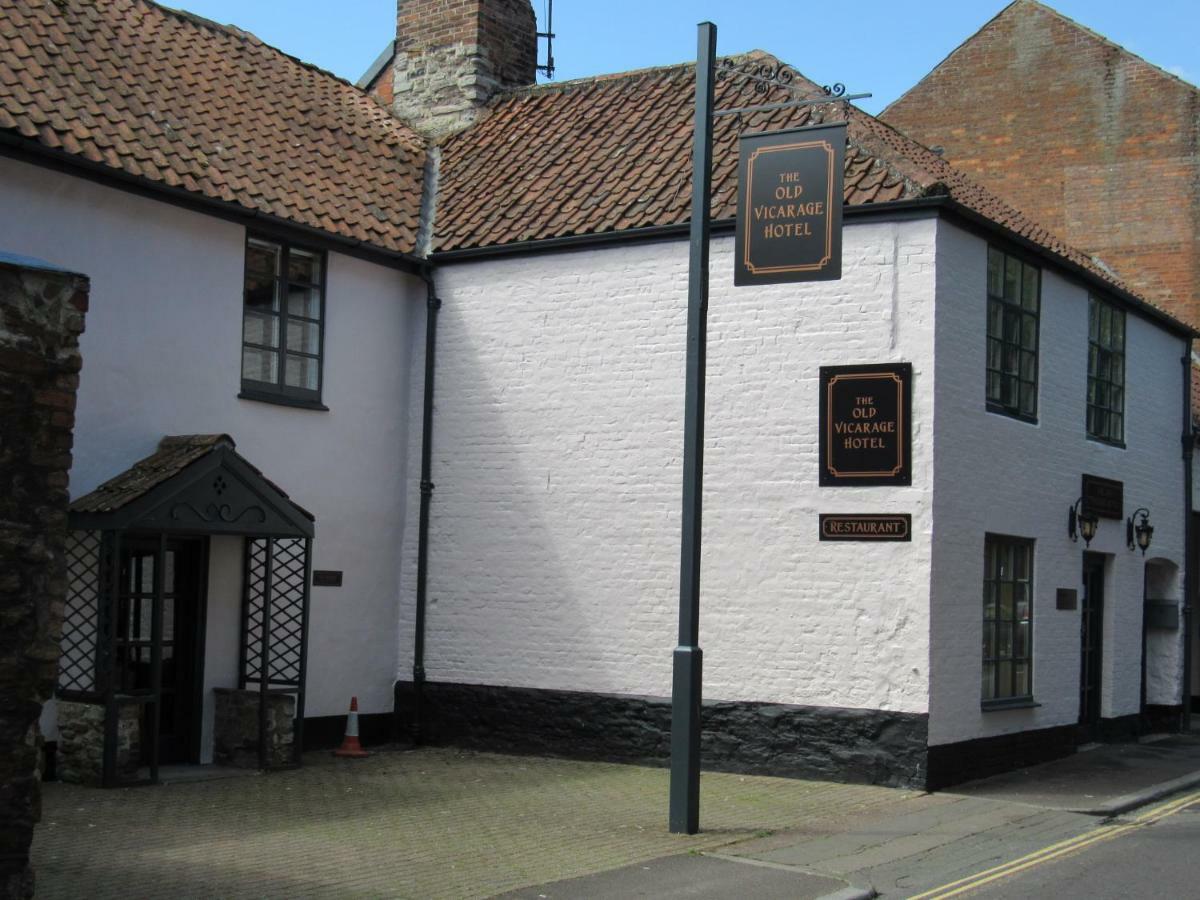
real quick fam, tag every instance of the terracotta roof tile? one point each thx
(614, 152)
(176, 99)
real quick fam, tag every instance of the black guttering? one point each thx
(432, 305)
(27, 151)
(892, 210)
(1189, 553)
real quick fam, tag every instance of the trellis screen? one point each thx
(285, 584)
(81, 614)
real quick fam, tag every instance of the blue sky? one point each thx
(871, 45)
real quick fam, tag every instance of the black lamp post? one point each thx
(1082, 523)
(1141, 533)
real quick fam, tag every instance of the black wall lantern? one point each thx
(1141, 533)
(1082, 523)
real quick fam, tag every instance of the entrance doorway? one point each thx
(173, 627)
(1091, 649)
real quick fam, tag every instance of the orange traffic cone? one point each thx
(350, 745)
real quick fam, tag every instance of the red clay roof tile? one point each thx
(210, 108)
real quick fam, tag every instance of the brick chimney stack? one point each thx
(453, 55)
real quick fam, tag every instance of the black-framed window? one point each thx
(1007, 619)
(1106, 371)
(283, 318)
(1014, 299)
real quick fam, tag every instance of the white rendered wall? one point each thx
(221, 629)
(161, 355)
(554, 541)
(996, 474)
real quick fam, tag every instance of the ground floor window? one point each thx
(1007, 619)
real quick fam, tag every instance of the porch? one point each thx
(186, 619)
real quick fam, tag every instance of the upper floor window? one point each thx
(1007, 619)
(282, 314)
(1014, 298)
(1106, 371)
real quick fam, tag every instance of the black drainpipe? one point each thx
(1189, 555)
(432, 305)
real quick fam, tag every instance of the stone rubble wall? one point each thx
(41, 318)
(81, 741)
(235, 731)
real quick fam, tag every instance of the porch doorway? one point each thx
(1091, 647)
(170, 623)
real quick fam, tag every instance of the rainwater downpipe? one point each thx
(432, 305)
(1189, 553)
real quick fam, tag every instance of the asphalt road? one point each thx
(1159, 859)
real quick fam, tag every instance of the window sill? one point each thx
(1008, 703)
(281, 400)
(1010, 414)
(1119, 445)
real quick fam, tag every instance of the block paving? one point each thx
(423, 823)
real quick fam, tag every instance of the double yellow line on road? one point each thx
(1063, 848)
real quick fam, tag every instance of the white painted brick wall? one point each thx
(1001, 475)
(554, 541)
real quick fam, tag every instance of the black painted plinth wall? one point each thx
(852, 745)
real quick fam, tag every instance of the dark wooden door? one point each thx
(1091, 649)
(180, 642)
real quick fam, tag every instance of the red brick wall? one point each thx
(1097, 144)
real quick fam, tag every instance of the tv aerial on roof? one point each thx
(547, 68)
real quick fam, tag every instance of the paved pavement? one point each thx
(448, 823)
(421, 824)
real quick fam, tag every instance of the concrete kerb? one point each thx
(852, 893)
(849, 892)
(1128, 802)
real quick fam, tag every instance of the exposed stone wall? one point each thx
(41, 317)
(453, 55)
(1100, 146)
(235, 731)
(81, 741)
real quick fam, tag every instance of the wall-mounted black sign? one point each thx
(327, 578)
(789, 218)
(864, 527)
(866, 424)
(1104, 497)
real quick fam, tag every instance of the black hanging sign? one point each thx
(863, 527)
(866, 424)
(327, 578)
(789, 217)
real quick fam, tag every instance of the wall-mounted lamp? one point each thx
(1082, 523)
(1141, 533)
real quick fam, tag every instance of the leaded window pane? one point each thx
(1105, 411)
(260, 365)
(1007, 646)
(304, 301)
(281, 341)
(260, 328)
(301, 372)
(1012, 334)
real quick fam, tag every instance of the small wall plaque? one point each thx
(327, 578)
(866, 527)
(1066, 598)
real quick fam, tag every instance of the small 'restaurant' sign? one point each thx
(866, 424)
(863, 527)
(789, 217)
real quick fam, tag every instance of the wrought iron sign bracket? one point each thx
(766, 76)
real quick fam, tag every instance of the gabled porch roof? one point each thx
(193, 484)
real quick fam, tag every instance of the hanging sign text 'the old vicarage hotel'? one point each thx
(789, 219)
